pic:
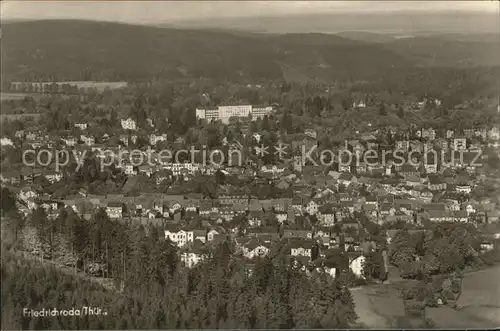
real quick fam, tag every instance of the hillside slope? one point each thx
(448, 51)
(90, 50)
(400, 22)
(119, 51)
(369, 37)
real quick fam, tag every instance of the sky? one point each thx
(174, 11)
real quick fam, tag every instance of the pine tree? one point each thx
(381, 110)
(401, 113)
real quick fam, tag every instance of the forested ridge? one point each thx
(90, 50)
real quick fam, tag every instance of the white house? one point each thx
(346, 179)
(281, 217)
(49, 205)
(273, 169)
(87, 140)
(312, 208)
(175, 207)
(114, 210)
(359, 104)
(463, 189)
(494, 133)
(430, 168)
(191, 259)
(53, 176)
(178, 168)
(356, 265)
(69, 141)
(429, 134)
(470, 209)
(27, 194)
(154, 139)
(326, 216)
(300, 251)
(4, 141)
(255, 249)
(330, 271)
(129, 169)
(180, 238)
(81, 126)
(211, 234)
(129, 124)
(459, 144)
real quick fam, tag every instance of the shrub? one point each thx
(448, 295)
(456, 286)
(431, 301)
(447, 284)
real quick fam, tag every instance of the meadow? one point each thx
(381, 306)
(478, 305)
(378, 306)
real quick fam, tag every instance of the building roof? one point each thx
(436, 180)
(254, 243)
(300, 243)
(345, 176)
(434, 206)
(437, 213)
(460, 214)
(114, 204)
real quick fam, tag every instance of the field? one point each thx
(378, 306)
(479, 302)
(381, 306)
(12, 96)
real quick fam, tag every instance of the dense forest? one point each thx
(443, 249)
(218, 293)
(152, 289)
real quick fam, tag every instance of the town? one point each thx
(338, 216)
(302, 205)
(249, 202)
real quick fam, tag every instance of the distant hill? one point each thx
(448, 51)
(120, 51)
(65, 49)
(493, 38)
(404, 22)
(369, 37)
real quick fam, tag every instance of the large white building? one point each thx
(178, 168)
(180, 238)
(184, 237)
(224, 113)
